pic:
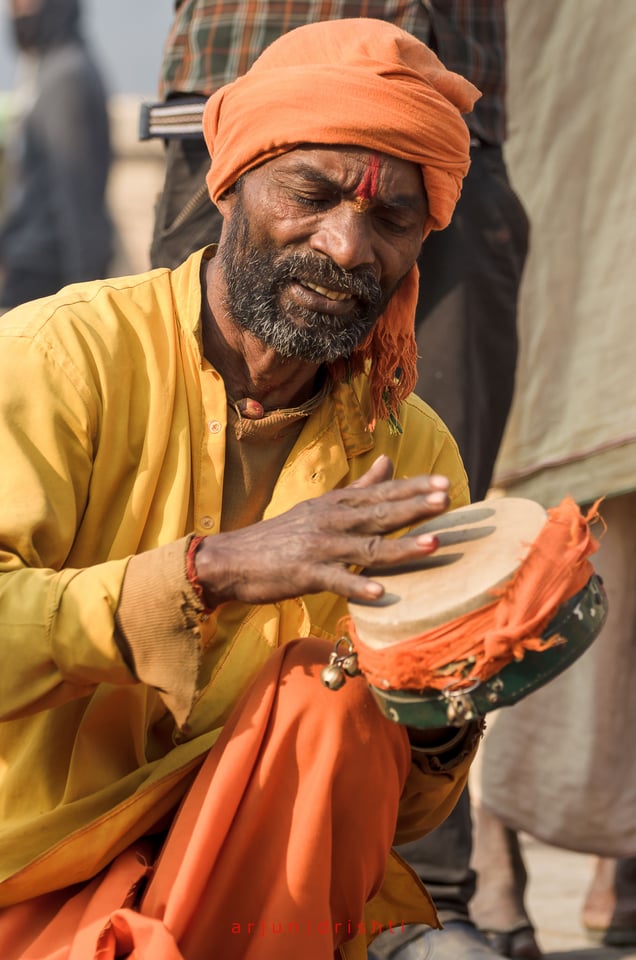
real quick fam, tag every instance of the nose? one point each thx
(345, 236)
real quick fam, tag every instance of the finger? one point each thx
(352, 585)
(373, 552)
(378, 552)
(404, 487)
(346, 583)
(380, 470)
(392, 491)
(382, 515)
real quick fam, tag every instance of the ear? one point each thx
(227, 201)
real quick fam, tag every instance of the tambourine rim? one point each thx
(518, 678)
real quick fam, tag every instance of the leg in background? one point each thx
(621, 931)
(499, 904)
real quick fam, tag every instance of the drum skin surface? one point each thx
(480, 548)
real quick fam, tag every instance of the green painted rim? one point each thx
(578, 621)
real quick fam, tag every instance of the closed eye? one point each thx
(394, 221)
(313, 201)
(395, 226)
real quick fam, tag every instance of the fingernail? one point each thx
(436, 498)
(426, 540)
(373, 590)
(439, 481)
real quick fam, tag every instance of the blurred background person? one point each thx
(55, 227)
(466, 316)
(561, 766)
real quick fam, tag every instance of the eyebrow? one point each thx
(312, 175)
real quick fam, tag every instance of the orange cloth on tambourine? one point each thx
(479, 644)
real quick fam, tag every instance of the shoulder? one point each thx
(426, 445)
(92, 326)
(92, 304)
(422, 444)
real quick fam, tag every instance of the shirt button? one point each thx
(214, 426)
(207, 523)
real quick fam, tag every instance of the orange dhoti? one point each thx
(279, 844)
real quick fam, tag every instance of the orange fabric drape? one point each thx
(556, 567)
(359, 82)
(266, 858)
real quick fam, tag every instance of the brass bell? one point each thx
(332, 676)
(350, 665)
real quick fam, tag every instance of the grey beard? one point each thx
(255, 279)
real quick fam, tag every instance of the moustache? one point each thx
(360, 283)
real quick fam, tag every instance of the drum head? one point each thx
(481, 547)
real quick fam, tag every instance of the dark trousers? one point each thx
(466, 319)
(185, 217)
(467, 338)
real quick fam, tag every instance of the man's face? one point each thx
(315, 243)
(26, 23)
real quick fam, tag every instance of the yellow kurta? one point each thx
(112, 443)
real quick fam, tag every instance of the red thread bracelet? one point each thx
(191, 569)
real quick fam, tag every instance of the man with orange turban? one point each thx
(196, 465)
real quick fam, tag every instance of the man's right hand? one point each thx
(310, 548)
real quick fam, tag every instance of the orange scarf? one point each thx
(364, 83)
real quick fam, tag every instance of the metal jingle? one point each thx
(460, 709)
(333, 676)
(350, 665)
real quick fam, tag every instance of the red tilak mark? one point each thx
(368, 187)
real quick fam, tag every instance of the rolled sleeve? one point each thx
(434, 785)
(159, 625)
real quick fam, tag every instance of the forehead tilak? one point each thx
(367, 189)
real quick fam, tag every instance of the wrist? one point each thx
(192, 573)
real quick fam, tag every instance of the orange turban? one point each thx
(364, 83)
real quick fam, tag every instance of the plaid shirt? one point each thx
(210, 44)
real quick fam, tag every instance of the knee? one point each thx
(348, 717)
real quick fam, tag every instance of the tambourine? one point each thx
(507, 602)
